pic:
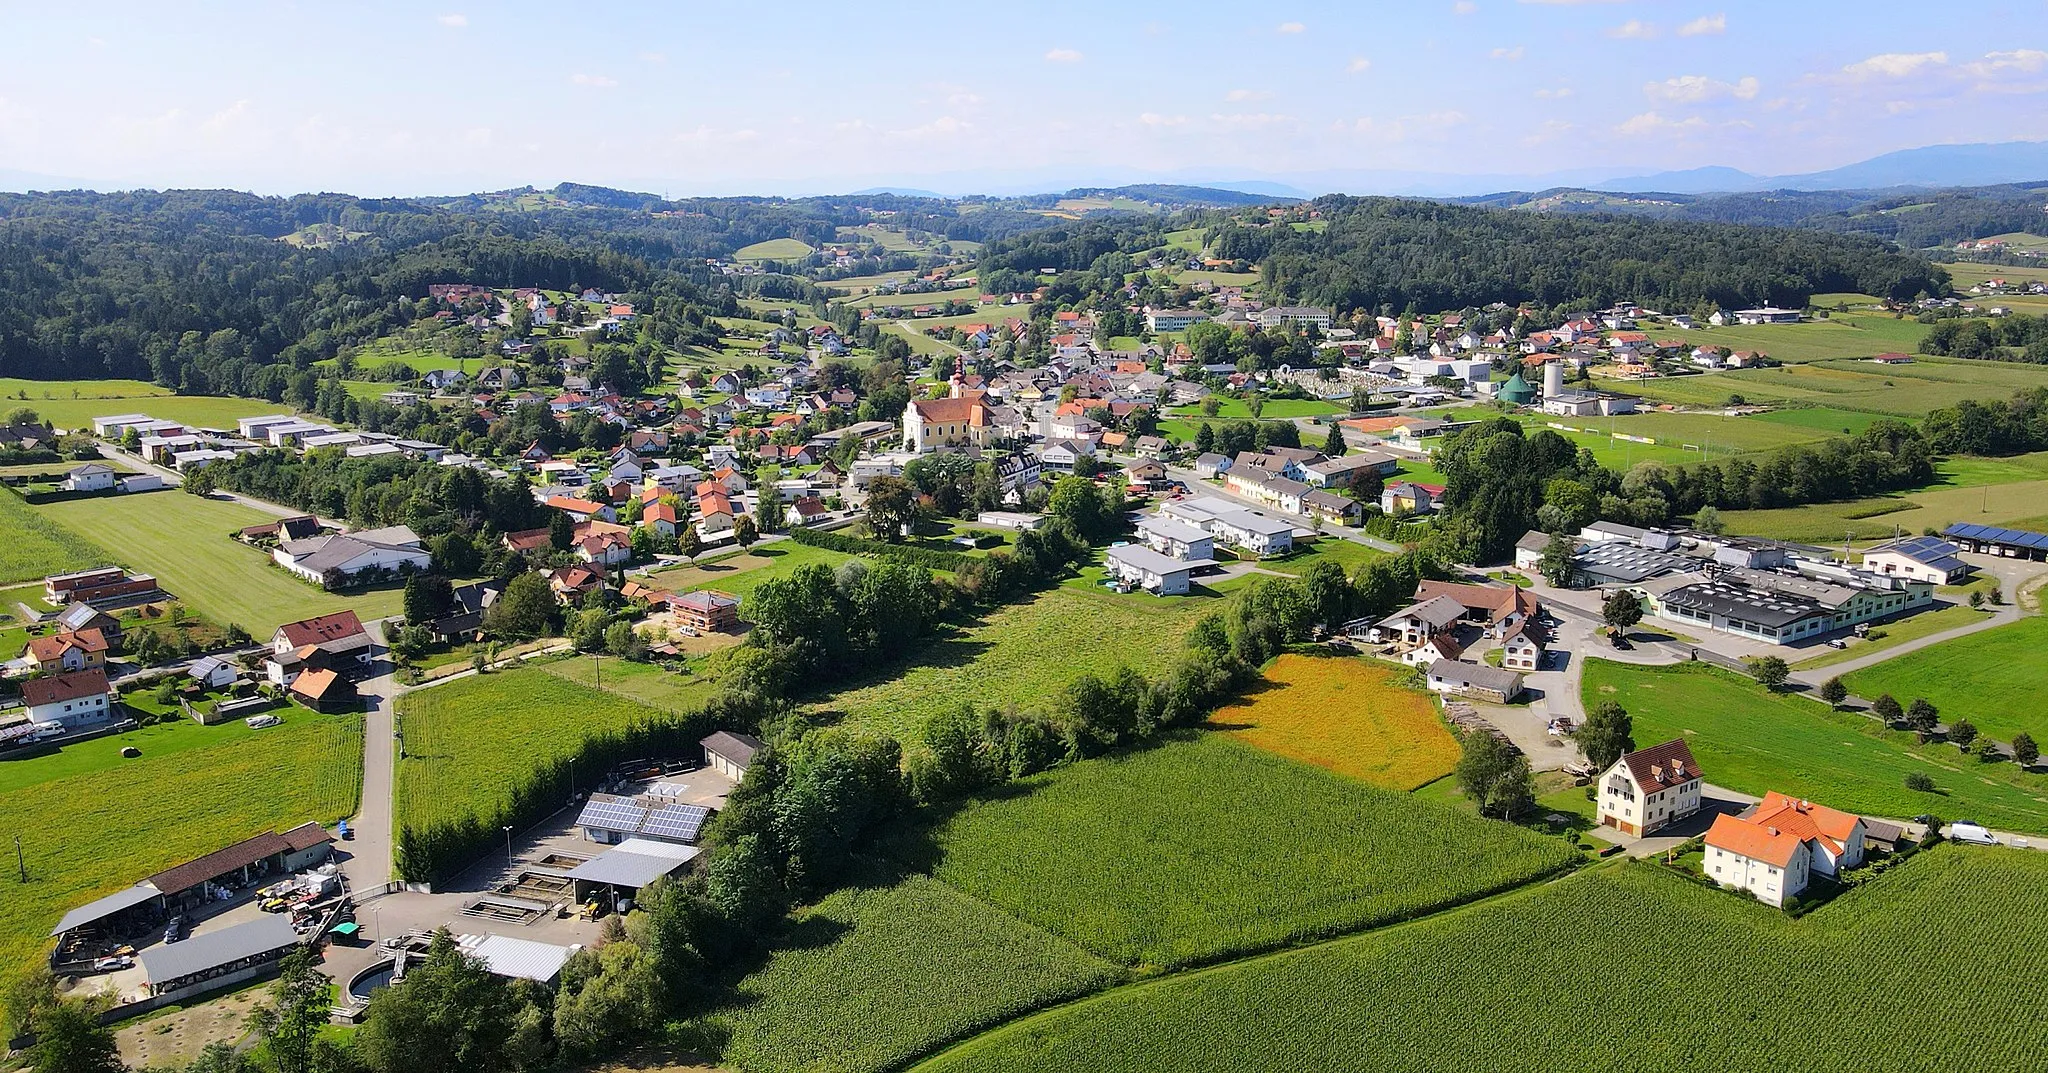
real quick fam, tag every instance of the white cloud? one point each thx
(1425, 127)
(1895, 64)
(1551, 130)
(943, 127)
(1154, 119)
(963, 99)
(1509, 54)
(654, 57)
(221, 120)
(593, 81)
(2023, 61)
(1249, 95)
(1559, 93)
(1691, 89)
(1290, 28)
(455, 21)
(1633, 30)
(1249, 120)
(1358, 65)
(1705, 26)
(1464, 7)
(1654, 123)
(1063, 55)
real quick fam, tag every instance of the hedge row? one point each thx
(949, 561)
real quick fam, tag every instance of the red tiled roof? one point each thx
(321, 630)
(62, 687)
(1772, 845)
(1662, 766)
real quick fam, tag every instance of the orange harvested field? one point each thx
(1346, 714)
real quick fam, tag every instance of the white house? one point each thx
(1417, 623)
(1521, 649)
(1649, 788)
(214, 672)
(344, 555)
(1140, 566)
(1774, 849)
(1921, 558)
(91, 477)
(1236, 527)
(78, 699)
(1177, 540)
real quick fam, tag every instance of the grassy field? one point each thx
(74, 403)
(1712, 433)
(184, 541)
(95, 828)
(468, 743)
(1529, 983)
(741, 574)
(641, 682)
(1924, 624)
(1840, 336)
(1348, 715)
(1910, 512)
(1899, 390)
(1753, 741)
(1273, 410)
(1967, 274)
(775, 249)
(1348, 554)
(1992, 678)
(1024, 655)
(872, 977)
(1825, 419)
(1205, 847)
(36, 547)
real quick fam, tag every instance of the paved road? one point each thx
(1199, 487)
(369, 864)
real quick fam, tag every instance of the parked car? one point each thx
(262, 722)
(113, 964)
(175, 930)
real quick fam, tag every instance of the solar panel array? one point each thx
(681, 822)
(612, 814)
(1991, 534)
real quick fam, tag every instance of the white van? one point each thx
(1971, 833)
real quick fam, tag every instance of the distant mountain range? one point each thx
(1979, 164)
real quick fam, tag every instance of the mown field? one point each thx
(1825, 419)
(87, 833)
(1348, 715)
(1348, 554)
(643, 682)
(470, 742)
(1023, 655)
(1531, 983)
(1993, 679)
(1712, 434)
(1752, 741)
(1205, 847)
(36, 547)
(1853, 384)
(741, 574)
(185, 541)
(1910, 512)
(873, 977)
(1924, 624)
(1840, 336)
(74, 403)
(775, 249)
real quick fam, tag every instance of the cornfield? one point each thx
(1204, 847)
(875, 976)
(37, 547)
(1349, 716)
(1935, 966)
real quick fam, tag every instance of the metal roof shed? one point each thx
(210, 953)
(635, 863)
(517, 959)
(98, 910)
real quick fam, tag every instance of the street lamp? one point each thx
(508, 845)
(376, 933)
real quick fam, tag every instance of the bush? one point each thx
(1921, 782)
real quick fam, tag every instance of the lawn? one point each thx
(775, 249)
(96, 828)
(1937, 506)
(1992, 678)
(470, 743)
(1349, 715)
(156, 742)
(36, 547)
(1529, 983)
(1753, 741)
(1271, 410)
(873, 977)
(74, 403)
(1024, 655)
(741, 574)
(185, 541)
(1713, 433)
(1924, 624)
(643, 682)
(1204, 847)
(1348, 554)
(1823, 418)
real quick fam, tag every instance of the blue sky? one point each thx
(800, 97)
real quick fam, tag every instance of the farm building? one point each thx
(1473, 680)
(729, 753)
(1774, 848)
(1650, 788)
(1991, 540)
(217, 958)
(1922, 558)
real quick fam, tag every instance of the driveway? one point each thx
(367, 861)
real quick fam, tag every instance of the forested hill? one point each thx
(1385, 253)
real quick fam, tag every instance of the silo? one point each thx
(1553, 379)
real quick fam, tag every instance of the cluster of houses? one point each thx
(1757, 589)
(1447, 622)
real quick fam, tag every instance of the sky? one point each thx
(796, 97)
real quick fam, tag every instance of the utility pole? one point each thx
(508, 846)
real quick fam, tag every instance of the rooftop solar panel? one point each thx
(683, 822)
(612, 815)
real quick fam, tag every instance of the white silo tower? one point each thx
(1553, 379)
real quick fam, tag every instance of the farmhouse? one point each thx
(336, 640)
(1776, 846)
(1521, 647)
(1922, 558)
(1650, 788)
(1420, 621)
(1472, 680)
(78, 699)
(338, 557)
(1494, 607)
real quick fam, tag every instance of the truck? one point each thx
(1971, 833)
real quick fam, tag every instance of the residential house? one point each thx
(59, 653)
(1775, 847)
(1650, 788)
(1521, 648)
(91, 477)
(1410, 498)
(1345, 472)
(214, 672)
(76, 700)
(581, 510)
(1177, 539)
(1140, 567)
(338, 557)
(466, 609)
(1419, 622)
(807, 510)
(706, 611)
(1211, 466)
(571, 583)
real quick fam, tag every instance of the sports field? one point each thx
(1529, 982)
(1992, 678)
(1754, 742)
(873, 977)
(1023, 655)
(1344, 714)
(94, 823)
(185, 541)
(1203, 847)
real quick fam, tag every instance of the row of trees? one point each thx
(2022, 338)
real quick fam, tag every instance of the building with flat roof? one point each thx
(1141, 567)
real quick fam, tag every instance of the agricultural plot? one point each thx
(1529, 983)
(1347, 715)
(470, 742)
(74, 403)
(36, 548)
(1909, 512)
(95, 828)
(1753, 741)
(1272, 410)
(1992, 678)
(775, 249)
(1899, 390)
(1967, 274)
(1851, 336)
(641, 682)
(1825, 419)
(1712, 434)
(1204, 847)
(875, 976)
(741, 574)
(185, 541)
(1023, 655)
